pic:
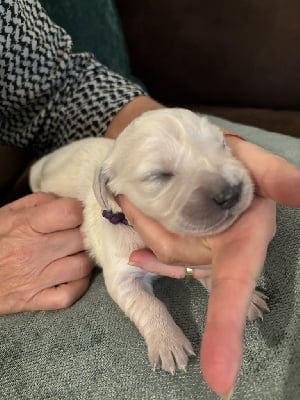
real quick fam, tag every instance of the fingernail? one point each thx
(228, 396)
(133, 264)
(135, 260)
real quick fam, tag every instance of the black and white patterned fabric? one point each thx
(49, 96)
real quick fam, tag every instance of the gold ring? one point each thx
(189, 273)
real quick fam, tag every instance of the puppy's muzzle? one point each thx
(229, 196)
(210, 208)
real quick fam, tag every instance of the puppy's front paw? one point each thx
(257, 306)
(169, 350)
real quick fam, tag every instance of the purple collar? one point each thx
(115, 218)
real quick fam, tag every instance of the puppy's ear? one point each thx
(100, 186)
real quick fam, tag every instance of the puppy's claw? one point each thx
(190, 352)
(257, 306)
(170, 350)
(227, 397)
(155, 367)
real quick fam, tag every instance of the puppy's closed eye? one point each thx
(158, 176)
(156, 180)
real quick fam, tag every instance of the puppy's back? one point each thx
(70, 170)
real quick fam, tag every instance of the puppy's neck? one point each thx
(113, 213)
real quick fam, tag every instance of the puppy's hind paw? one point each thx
(170, 352)
(258, 306)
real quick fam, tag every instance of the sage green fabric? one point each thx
(94, 26)
(91, 351)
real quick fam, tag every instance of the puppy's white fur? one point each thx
(175, 167)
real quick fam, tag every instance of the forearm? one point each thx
(48, 95)
(128, 113)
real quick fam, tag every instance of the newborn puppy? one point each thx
(175, 167)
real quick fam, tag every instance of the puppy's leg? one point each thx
(131, 289)
(258, 304)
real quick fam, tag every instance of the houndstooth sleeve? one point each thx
(49, 96)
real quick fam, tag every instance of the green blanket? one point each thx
(94, 27)
(92, 351)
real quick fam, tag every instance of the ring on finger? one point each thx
(188, 273)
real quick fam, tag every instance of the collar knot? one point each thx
(115, 218)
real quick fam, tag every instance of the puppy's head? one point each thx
(175, 167)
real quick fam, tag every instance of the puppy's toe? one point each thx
(170, 351)
(257, 306)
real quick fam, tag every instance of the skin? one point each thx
(43, 264)
(37, 273)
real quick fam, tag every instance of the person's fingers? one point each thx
(273, 176)
(237, 265)
(31, 200)
(146, 260)
(63, 213)
(150, 230)
(221, 348)
(57, 297)
(66, 269)
(170, 248)
(61, 244)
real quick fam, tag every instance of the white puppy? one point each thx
(174, 166)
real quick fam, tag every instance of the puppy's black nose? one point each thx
(228, 196)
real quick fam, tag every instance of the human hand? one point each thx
(43, 264)
(237, 256)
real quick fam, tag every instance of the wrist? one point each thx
(128, 113)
